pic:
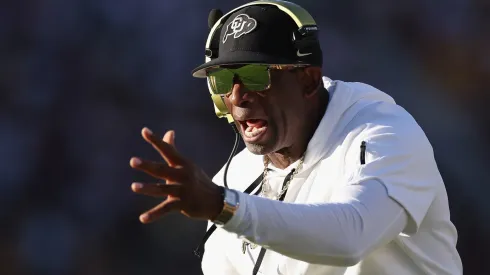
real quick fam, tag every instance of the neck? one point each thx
(284, 157)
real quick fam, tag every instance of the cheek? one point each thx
(285, 125)
(290, 120)
(285, 110)
(282, 121)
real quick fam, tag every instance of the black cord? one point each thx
(199, 251)
(233, 152)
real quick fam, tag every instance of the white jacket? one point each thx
(387, 216)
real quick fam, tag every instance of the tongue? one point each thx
(256, 123)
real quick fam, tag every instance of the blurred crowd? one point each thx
(80, 78)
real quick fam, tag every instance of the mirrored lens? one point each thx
(254, 78)
(221, 81)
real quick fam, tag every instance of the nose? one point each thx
(240, 96)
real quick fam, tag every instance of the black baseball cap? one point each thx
(261, 34)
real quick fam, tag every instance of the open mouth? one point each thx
(253, 129)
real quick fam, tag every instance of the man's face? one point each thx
(273, 119)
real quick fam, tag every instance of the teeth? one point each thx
(254, 132)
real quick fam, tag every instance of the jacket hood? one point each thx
(347, 99)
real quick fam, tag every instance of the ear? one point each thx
(311, 80)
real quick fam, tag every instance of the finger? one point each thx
(157, 169)
(157, 190)
(167, 151)
(160, 210)
(169, 137)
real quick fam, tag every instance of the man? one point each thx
(350, 184)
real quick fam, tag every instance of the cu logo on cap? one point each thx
(242, 24)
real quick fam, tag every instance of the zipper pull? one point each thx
(363, 152)
(244, 247)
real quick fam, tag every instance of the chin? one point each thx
(258, 149)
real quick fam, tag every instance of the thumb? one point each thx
(169, 137)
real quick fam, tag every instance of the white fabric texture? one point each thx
(387, 216)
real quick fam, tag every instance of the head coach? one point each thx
(336, 177)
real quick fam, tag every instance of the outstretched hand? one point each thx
(187, 189)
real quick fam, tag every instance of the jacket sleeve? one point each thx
(339, 233)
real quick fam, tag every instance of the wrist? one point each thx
(217, 203)
(229, 205)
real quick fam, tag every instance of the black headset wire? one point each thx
(233, 152)
(200, 249)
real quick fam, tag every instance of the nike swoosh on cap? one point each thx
(302, 54)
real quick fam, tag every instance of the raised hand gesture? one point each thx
(187, 189)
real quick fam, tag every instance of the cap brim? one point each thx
(235, 58)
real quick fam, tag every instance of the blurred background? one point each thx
(80, 78)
